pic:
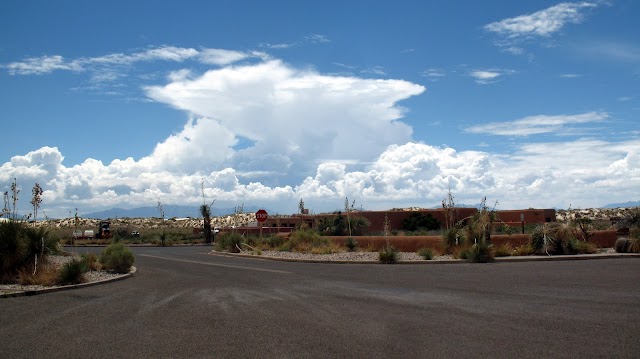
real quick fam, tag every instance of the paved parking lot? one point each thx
(185, 303)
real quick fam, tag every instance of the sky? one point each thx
(389, 104)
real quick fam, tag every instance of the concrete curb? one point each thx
(448, 261)
(26, 293)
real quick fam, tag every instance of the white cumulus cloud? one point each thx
(533, 125)
(291, 118)
(542, 23)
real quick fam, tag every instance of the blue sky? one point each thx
(121, 103)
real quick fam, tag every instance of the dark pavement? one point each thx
(183, 303)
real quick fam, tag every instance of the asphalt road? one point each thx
(184, 303)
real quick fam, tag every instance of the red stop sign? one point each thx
(262, 215)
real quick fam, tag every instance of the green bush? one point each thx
(426, 253)
(91, 261)
(229, 242)
(503, 250)
(116, 257)
(351, 244)
(72, 272)
(481, 252)
(274, 241)
(463, 253)
(584, 247)
(388, 255)
(622, 245)
(305, 240)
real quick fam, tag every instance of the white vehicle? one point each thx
(89, 233)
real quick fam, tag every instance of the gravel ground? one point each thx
(59, 261)
(344, 256)
(360, 256)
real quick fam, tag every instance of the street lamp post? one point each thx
(522, 221)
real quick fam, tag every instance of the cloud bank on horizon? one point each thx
(259, 130)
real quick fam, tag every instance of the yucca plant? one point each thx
(481, 252)
(351, 244)
(451, 239)
(13, 249)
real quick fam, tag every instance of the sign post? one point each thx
(261, 216)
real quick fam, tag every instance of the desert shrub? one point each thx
(584, 247)
(91, 261)
(72, 272)
(351, 244)
(524, 250)
(388, 255)
(503, 250)
(426, 253)
(275, 241)
(461, 253)
(554, 238)
(631, 219)
(451, 239)
(331, 248)
(116, 257)
(229, 242)
(505, 229)
(305, 239)
(634, 245)
(481, 252)
(45, 275)
(622, 245)
(20, 244)
(634, 240)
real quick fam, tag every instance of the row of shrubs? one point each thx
(554, 239)
(24, 252)
(116, 258)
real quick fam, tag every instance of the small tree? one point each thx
(161, 210)
(450, 211)
(205, 211)
(584, 227)
(348, 209)
(301, 206)
(36, 200)
(14, 197)
(386, 225)
(5, 210)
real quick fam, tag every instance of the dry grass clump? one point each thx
(46, 275)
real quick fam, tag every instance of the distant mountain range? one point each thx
(623, 205)
(170, 211)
